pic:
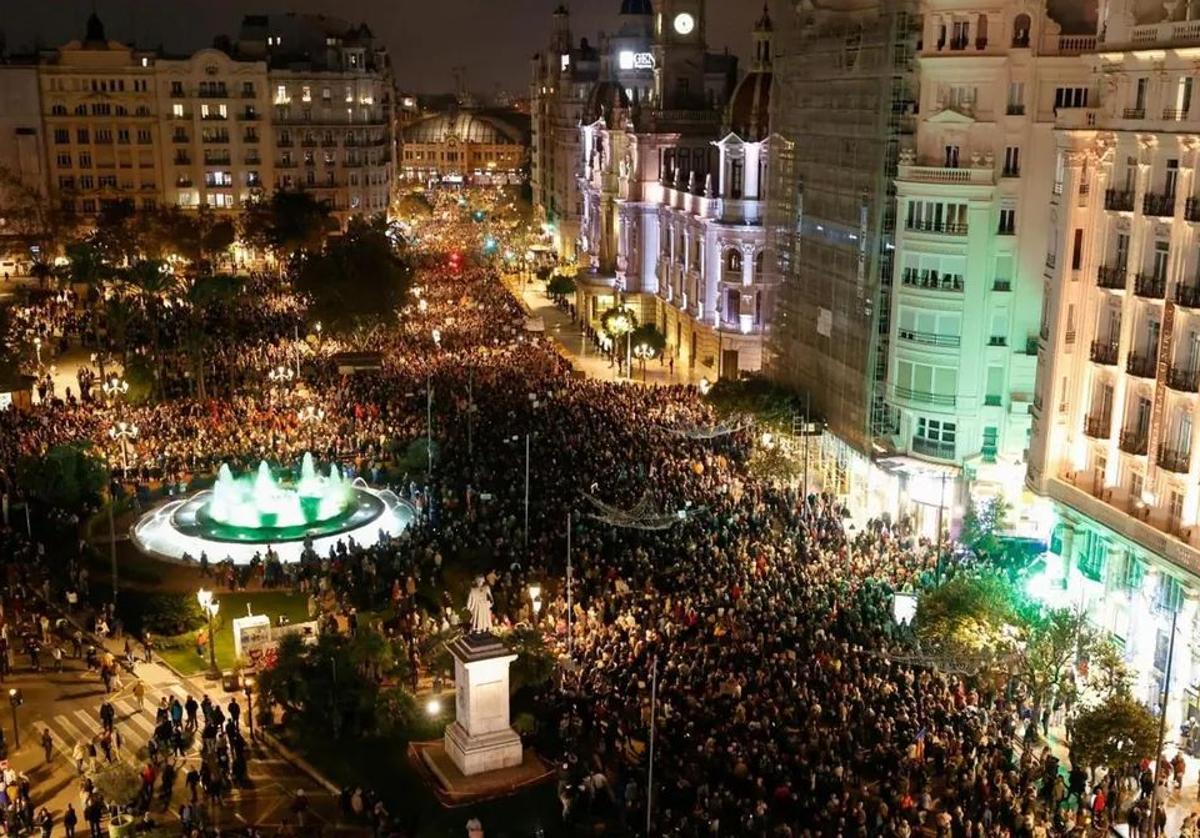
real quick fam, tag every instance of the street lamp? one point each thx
(281, 375)
(311, 415)
(16, 699)
(210, 607)
(121, 432)
(644, 352)
(114, 386)
(535, 599)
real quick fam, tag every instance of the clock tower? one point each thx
(679, 48)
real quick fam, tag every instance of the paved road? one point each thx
(68, 704)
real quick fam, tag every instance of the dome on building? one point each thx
(637, 7)
(750, 107)
(464, 126)
(95, 31)
(606, 97)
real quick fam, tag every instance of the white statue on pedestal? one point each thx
(479, 603)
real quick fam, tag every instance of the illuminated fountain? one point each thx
(241, 516)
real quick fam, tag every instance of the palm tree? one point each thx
(153, 282)
(202, 292)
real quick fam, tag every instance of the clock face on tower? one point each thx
(684, 23)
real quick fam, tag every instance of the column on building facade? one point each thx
(1181, 663)
(751, 170)
(1143, 633)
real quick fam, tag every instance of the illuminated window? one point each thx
(625, 59)
(306, 95)
(281, 95)
(177, 110)
(566, 61)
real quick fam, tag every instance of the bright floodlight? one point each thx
(433, 707)
(904, 608)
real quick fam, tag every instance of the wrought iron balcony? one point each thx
(1097, 427)
(947, 227)
(1150, 286)
(1175, 460)
(1191, 210)
(1119, 200)
(1188, 296)
(1133, 441)
(1104, 352)
(1135, 113)
(1002, 285)
(1143, 366)
(1183, 380)
(930, 338)
(931, 280)
(1111, 277)
(923, 397)
(1158, 204)
(933, 448)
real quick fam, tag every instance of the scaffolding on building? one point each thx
(841, 107)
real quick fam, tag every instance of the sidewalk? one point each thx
(576, 348)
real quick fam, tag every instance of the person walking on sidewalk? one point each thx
(48, 744)
(139, 693)
(70, 819)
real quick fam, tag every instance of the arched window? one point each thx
(1021, 30)
(733, 260)
(59, 110)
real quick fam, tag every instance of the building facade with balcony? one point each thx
(649, 184)
(1114, 440)
(331, 98)
(714, 297)
(101, 124)
(971, 238)
(216, 140)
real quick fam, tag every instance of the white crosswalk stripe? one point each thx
(135, 727)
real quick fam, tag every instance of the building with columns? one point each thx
(1113, 449)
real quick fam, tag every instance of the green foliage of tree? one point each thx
(755, 395)
(968, 615)
(201, 293)
(535, 662)
(773, 463)
(560, 285)
(85, 264)
(118, 782)
(167, 614)
(359, 278)
(290, 224)
(33, 221)
(1054, 640)
(1116, 732)
(414, 205)
(1108, 674)
(648, 334)
(618, 321)
(69, 476)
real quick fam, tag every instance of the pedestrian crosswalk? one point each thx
(135, 726)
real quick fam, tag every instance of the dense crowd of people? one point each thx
(760, 624)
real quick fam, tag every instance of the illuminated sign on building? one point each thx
(630, 60)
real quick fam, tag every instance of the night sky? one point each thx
(494, 39)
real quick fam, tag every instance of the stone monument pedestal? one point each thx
(480, 738)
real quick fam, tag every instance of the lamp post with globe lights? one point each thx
(311, 415)
(114, 386)
(644, 352)
(535, 600)
(123, 433)
(210, 606)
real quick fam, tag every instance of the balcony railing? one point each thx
(1143, 366)
(1175, 115)
(1133, 441)
(1191, 210)
(1111, 277)
(931, 280)
(1097, 427)
(1157, 204)
(1119, 200)
(950, 228)
(1104, 352)
(1002, 285)
(1173, 459)
(1015, 110)
(1150, 286)
(1134, 113)
(1183, 380)
(1188, 296)
(924, 397)
(930, 338)
(992, 401)
(933, 448)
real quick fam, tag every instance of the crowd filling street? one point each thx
(757, 626)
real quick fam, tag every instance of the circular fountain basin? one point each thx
(193, 517)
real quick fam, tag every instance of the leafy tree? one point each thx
(763, 399)
(535, 663)
(153, 282)
(560, 285)
(360, 278)
(85, 264)
(118, 782)
(201, 293)
(35, 221)
(1116, 732)
(648, 334)
(968, 615)
(414, 205)
(983, 525)
(120, 233)
(773, 463)
(69, 476)
(1107, 671)
(291, 224)
(168, 615)
(1055, 640)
